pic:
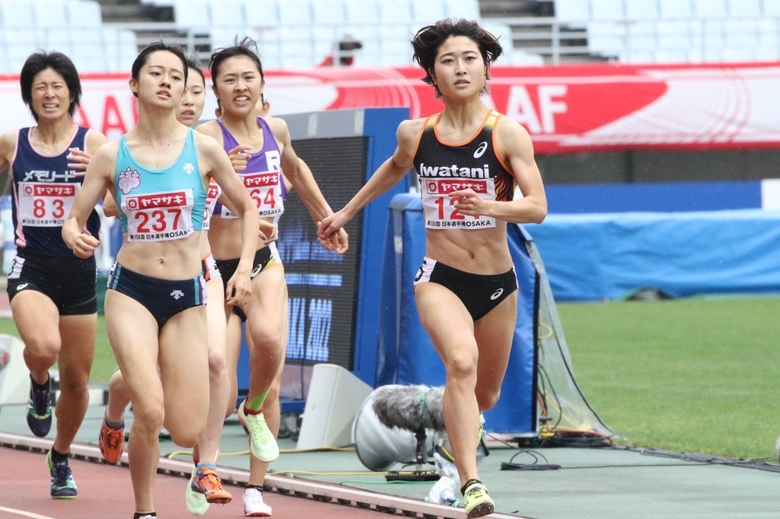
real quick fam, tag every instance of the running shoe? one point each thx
(261, 442)
(254, 505)
(477, 501)
(62, 484)
(206, 482)
(196, 501)
(111, 442)
(39, 409)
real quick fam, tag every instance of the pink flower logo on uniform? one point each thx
(129, 180)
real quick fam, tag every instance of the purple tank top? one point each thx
(262, 176)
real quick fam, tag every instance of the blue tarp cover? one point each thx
(605, 256)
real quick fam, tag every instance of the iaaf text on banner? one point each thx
(566, 109)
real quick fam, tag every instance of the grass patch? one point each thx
(696, 375)
(104, 364)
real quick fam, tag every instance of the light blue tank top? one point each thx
(160, 204)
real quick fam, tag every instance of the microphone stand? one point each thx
(420, 473)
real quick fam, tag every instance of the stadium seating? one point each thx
(17, 14)
(573, 12)
(83, 13)
(468, 9)
(74, 27)
(192, 14)
(607, 10)
(641, 10)
(18, 43)
(664, 31)
(302, 33)
(675, 8)
(49, 14)
(429, 11)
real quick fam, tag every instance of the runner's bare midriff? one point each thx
(483, 251)
(172, 259)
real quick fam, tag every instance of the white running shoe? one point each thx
(262, 443)
(254, 505)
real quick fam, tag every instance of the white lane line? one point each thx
(24, 514)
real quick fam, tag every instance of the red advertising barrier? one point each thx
(566, 109)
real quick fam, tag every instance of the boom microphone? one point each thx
(414, 408)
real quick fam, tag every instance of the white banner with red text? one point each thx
(566, 109)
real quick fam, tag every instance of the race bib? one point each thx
(439, 207)
(158, 216)
(212, 195)
(265, 190)
(45, 204)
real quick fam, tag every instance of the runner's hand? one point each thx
(78, 159)
(238, 158)
(84, 245)
(331, 225)
(468, 202)
(238, 290)
(339, 242)
(268, 231)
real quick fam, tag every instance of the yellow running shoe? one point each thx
(476, 500)
(262, 443)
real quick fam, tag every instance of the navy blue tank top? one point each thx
(43, 193)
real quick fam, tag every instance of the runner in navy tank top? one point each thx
(469, 159)
(52, 293)
(159, 174)
(259, 149)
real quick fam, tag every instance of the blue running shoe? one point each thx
(62, 484)
(39, 409)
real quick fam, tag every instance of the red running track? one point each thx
(105, 493)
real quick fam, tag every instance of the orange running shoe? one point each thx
(111, 442)
(207, 482)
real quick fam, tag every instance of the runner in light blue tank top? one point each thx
(155, 302)
(157, 199)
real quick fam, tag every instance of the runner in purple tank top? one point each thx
(259, 149)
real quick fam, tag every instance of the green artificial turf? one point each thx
(698, 375)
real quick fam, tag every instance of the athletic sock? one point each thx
(57, 456)
(258, 487)
(468, 484)
(114, 425)
(255, 406)
(40, 387)
(145, 514)
(212, 466)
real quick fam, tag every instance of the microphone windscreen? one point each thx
(411, 407)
